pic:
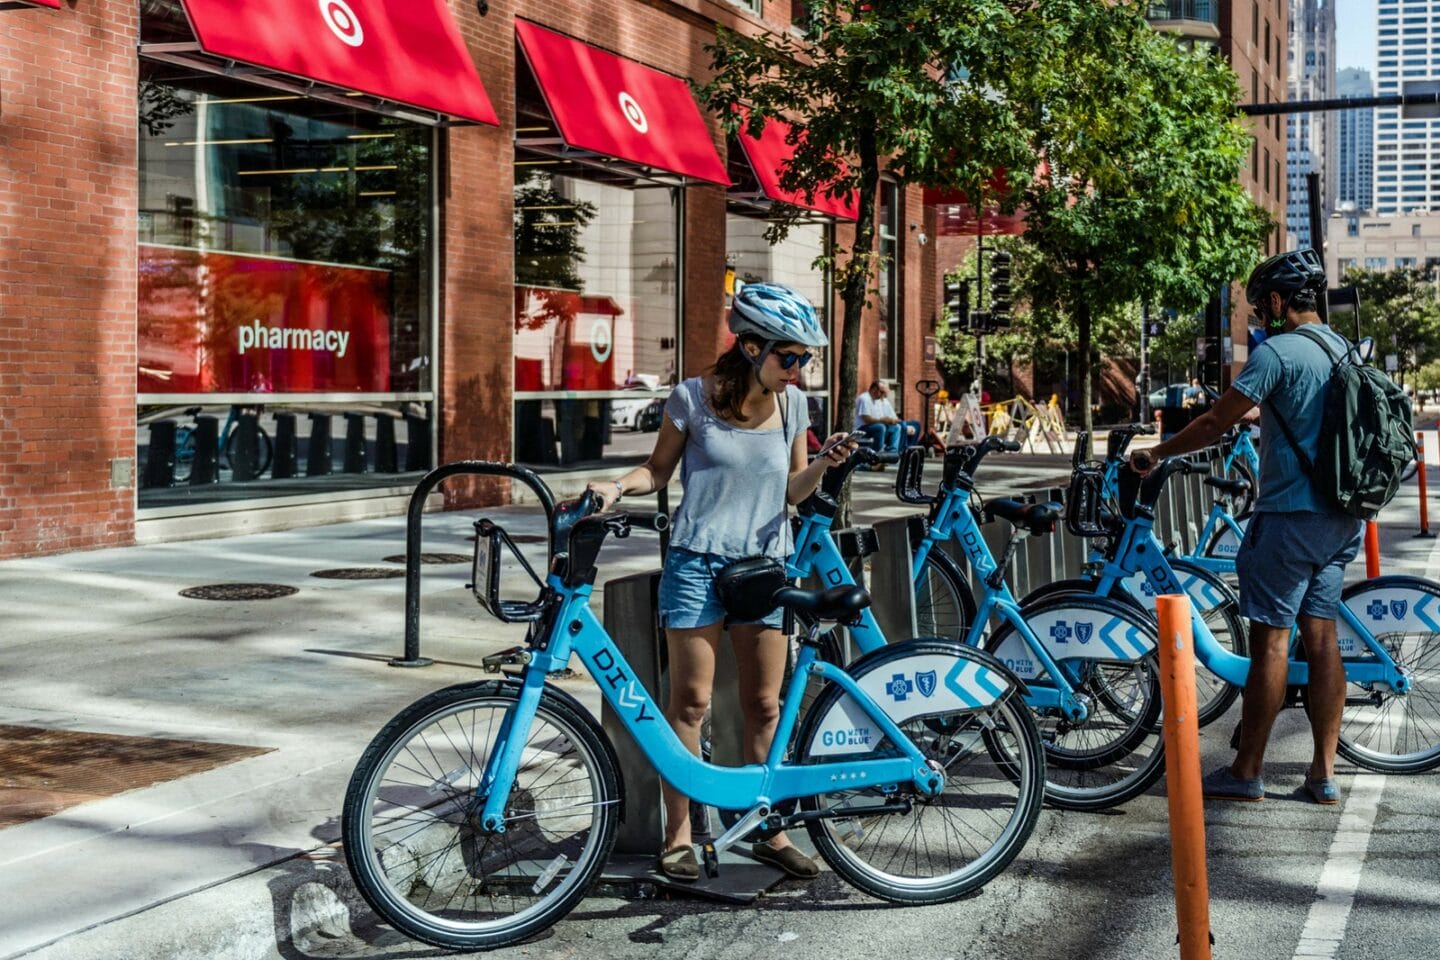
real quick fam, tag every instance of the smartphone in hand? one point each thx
(854, 437)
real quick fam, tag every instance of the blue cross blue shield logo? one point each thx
(899, 688)
(1398, 608)
(925, 682)
(1083, 631)
(1376, 610)
(1060, 632)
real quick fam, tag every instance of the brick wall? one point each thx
(68, 116)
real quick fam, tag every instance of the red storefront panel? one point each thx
(408, 51)
(619, 108)
(567, 341)
(224, 323)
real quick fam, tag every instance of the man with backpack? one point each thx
(1335, 449)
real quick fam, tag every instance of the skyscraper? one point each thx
(1357, 142)
(1310, 148)
(1407, 152)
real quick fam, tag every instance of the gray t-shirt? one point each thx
(1288, 373)
(736, 480)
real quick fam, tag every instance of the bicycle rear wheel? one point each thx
(942, 847)
(411, 818)
(1379, 728)
(944, 602)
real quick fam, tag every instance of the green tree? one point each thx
(875, 86)
(1139, 197)
(1400, 310)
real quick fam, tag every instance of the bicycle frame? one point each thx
(571, 628)
(1218, 518)
(1140, 551)
(1243, 447)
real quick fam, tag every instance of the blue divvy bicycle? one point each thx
(1088, 661)
(1389, 632)
(480, 815)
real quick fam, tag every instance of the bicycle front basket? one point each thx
(486, 576)
(1083, 501)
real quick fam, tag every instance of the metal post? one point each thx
(1317, 231)
(1143, 380)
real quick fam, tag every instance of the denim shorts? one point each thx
(687, 591)
(1293, 564)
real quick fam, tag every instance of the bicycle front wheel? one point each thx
(412, 832)
(924, 850)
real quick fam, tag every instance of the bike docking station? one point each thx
(1182, 771)
(879, 558)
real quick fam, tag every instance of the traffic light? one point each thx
(1155, 328)
(1000, 287)
(957, 301)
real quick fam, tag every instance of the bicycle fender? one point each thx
(1226, 545)
(1076, 627)
(1394, 604)
(1206, 593)
(915, 678)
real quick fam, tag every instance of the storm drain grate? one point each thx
(432, 558)
(239, 591)
(360, 573)
(45, 771)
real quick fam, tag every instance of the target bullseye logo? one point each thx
(631, 109)
(600, 340)
(342, 21)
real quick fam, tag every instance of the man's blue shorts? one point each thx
(1293, 564)
(687, 591)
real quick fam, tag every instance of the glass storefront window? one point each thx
(597, 306)
(750, 258)
(285, 265)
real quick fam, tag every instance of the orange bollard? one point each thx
(1182, 768)
(1424, 493)
(1372, 549)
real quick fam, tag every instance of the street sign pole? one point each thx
(1143, 381)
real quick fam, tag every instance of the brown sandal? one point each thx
(679, 863)
(788, 859)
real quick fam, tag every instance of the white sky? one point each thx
(1355, 29)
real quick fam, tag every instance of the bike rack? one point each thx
(415, 514)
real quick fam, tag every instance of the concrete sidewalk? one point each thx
(239, 860)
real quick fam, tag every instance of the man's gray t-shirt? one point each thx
(736, 480)
(1288, 373)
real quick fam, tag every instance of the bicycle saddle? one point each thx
(837, 603)
(1038, 518)
(1227, 485)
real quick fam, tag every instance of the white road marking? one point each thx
(1324, 929)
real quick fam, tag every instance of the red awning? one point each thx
(768, 155)
(956, 215)
(395, 52)
(22, 4)
(615, 107)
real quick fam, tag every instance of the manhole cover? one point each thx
(360, 573)
(239, 591)
(432, 558)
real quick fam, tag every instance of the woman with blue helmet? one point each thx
(739, 435)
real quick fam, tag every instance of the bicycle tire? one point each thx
(1008, 762)
(184, 453)
(944, 601)
(434, 786)
(1373, 733)
(1117, 752)
(264, 450)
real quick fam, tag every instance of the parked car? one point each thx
(636, 413)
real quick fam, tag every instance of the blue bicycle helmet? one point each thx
(775, 313)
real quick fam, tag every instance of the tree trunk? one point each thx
(852, 292)
(1087, 416)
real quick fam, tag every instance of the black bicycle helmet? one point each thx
(1286, 274)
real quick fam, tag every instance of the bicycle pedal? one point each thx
(711, 860)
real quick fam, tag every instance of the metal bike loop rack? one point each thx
(415, 514)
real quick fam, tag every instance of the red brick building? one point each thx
(252, 297)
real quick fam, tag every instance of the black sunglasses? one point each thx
(788, 360)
